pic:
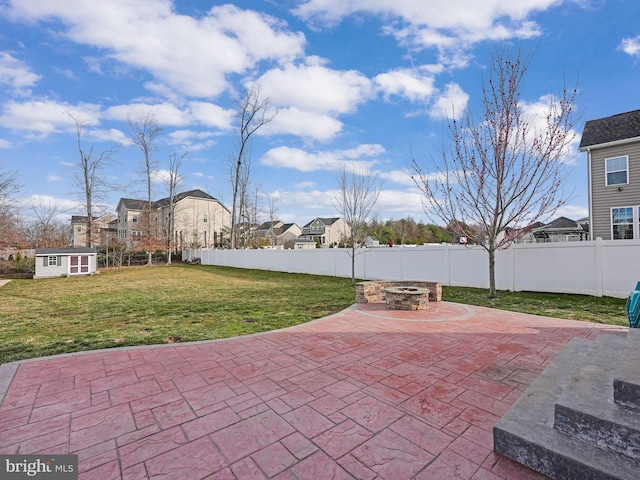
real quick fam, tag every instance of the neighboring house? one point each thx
(613, 150)
(300, 244)
(199, 220)
(63, 262)
(287, 232)
(101, 230)
(371, 242)
(267, 228)
(329, 231)
(278, 233)
(562, 229)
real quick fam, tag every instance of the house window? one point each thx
(52, 261)
(622, 223)
(617, 170)
(135, 219)
(205, 219)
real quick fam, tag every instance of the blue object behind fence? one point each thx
(633, 307)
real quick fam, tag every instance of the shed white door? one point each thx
(78, 264)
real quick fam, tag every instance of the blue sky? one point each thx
(356, 82)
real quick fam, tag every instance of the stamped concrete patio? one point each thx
(367, 393)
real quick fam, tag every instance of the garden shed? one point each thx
(63, 262)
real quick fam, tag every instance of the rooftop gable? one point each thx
(616, 128)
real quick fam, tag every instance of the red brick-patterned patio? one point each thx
(367, 393)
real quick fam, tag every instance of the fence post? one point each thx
(599, 286)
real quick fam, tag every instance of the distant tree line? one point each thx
(407, 231)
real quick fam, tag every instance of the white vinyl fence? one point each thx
(598, 268)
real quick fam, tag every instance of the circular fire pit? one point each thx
(406, 298)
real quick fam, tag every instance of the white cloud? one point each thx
(537, 112)
(361, 157)
(397, 203)
(316, 88)
(401, 177)
(452, 103)
(164, 113)
(160, 176)
(303, 185)
(52, 177)
(293, 121)
(170, 114)
(5, 143)
(450, 27)
(44, 117)
(406, 83)
(630, 46)
(194, 141)
(15, 73)
(62, 206)
(574, 212)
(187, 55)
(109, 135)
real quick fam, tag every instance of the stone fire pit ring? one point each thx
(406, 298)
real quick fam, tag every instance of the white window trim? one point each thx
(635, 218)
(606, 173)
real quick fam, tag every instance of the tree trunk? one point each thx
(492, 273)
(353, 264)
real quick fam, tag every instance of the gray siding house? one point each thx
(613, 149)
(63, 262)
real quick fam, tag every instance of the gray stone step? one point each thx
(585, 409)
(626, 385)
(526, 433)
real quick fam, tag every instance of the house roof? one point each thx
(59, 251)
(268, 225)
(196, 193)
(623, 126)
(81, 218)
(324, 221)
(561, 225)
(137, 204)
(133, 203)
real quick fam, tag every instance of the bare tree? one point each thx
(45, 212)
(504, 170)
(9, 188)
(355, 201)
(90, 178)
(145, 132)
(273, 210)
(173, 183)
(253, 113)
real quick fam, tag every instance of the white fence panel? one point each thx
(621, 262)
(597, 268)
(566, 268)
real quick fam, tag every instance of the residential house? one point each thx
(326, 231)
(64, 262)
(200, 220)
(278, 233)
(103, 230)
(613, 152)
(562, 229)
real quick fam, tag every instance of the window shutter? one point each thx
(59, 261)
(45, 261)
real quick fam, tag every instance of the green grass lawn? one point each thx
(140, 306)
(137, 306)
(574, 307)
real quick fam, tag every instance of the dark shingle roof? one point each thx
(62, 250)
(611, 129)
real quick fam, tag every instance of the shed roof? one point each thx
(64, 250)
(623, 126)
